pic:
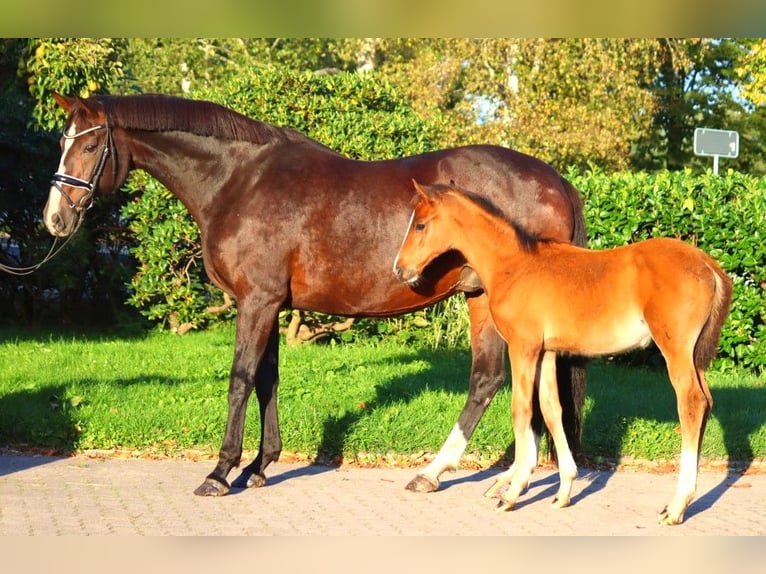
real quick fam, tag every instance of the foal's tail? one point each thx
(707, 343)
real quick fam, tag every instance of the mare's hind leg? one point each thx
(524, 365)
(694, 405)
(487, 375)
(255, 325)
(266, 385)
(552, 411)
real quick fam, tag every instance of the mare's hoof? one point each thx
(249, 480)
(559, 502)
(212, 487)
(422, 484)
(504, 506)
(256, 481)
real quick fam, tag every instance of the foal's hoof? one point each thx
(422, 484)
(560, 502)
(496, 490)
(504, 505)
(212, 487)
(667, 520)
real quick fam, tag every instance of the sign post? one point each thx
(716, 143)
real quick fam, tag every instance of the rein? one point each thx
(85, 203)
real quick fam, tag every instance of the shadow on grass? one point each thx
(44, 422)
(52, 429)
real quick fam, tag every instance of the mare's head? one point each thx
(88, 165)
(428, 234)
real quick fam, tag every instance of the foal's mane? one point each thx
(527, 242)
(159, 112)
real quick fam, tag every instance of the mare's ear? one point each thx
(64, 101)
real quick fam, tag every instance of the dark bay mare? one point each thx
(287, 222)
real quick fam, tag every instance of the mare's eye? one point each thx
(89, 148)
(420, 226)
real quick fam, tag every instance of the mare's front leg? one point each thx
(256, 324)
(487, 375)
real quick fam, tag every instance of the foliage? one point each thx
(723, 215)
(751, 72)
(69, 66)
(356, 114)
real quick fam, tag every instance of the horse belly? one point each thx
(600, 336)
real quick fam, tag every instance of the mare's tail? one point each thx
(571, 370)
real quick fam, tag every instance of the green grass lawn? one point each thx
(163, 393)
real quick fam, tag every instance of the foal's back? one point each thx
(594, 302)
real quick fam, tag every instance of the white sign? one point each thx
(716, 143)
(723, 143)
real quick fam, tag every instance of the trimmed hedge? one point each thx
(723, 215)
(361, 117)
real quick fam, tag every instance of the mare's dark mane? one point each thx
(528, 242)
(157, 112)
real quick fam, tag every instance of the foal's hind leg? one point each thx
(694, 405)
(551, 407)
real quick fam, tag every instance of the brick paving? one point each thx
(42, 495)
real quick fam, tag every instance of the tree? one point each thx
(567, 101)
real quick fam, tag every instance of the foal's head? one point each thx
(428, 234)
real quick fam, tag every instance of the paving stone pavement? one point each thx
(41, 495)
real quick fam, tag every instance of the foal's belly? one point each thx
(599, 336)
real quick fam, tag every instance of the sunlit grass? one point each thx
(160, 392)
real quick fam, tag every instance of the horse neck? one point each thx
(488, 243)
(193, 168)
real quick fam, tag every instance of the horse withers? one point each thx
(287, 222)
(548, 297)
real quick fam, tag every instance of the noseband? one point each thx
(89, 185)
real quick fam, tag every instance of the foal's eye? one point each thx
(420, 226)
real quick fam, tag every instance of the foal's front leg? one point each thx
(552, 411)
(524, 363)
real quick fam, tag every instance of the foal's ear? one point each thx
(64, 101)
(421, 192)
